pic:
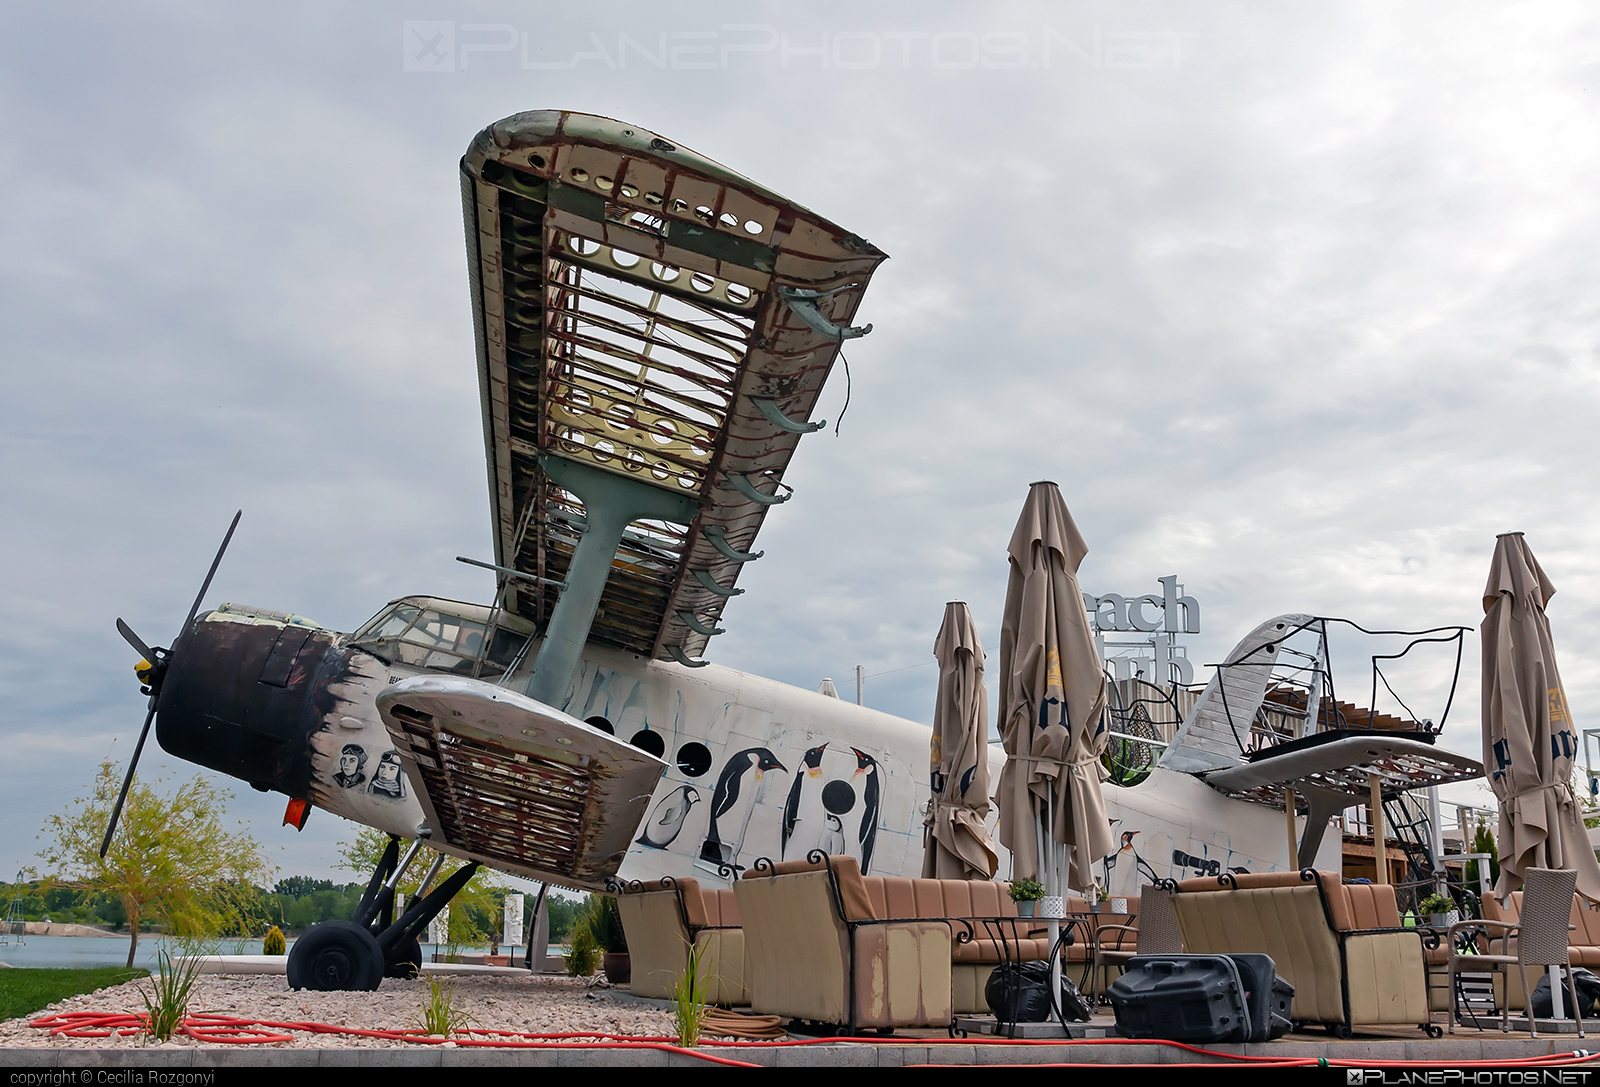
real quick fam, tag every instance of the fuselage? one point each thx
(291, 708)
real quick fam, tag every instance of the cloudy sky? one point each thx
(1298, 303)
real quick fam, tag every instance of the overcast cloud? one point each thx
(1298, 303)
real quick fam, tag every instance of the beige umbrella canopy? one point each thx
(1528, 737)
(958, 845)
(1052, 702)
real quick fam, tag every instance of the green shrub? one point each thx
(606, 924)
(273, 942)
(1483, 842)
(584, 957)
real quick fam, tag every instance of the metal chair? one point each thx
(1156, 932)
(1541, 935)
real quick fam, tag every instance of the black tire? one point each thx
(336, 956)
(404, 961)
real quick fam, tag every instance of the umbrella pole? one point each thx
(1054, 888)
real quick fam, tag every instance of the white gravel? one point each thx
(537, 1003)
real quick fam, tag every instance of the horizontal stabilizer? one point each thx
(1342, 766)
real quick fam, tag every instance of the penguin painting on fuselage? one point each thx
(803, 811)
(739, 788)
(867, 836)
(667, 819)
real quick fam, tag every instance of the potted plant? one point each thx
(1440, 910)
(1025, 893)
(606, 924)
(1096, 896)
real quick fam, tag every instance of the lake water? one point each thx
(87, 951)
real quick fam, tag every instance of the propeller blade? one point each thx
(216, 562)
(133, 639)
(116, 812)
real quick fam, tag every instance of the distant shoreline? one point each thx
(62, 928)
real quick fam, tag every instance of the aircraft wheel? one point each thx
(336, 956)
(404, 961)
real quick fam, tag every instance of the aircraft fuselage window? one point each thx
(694, 758)
(425, 638)
(648, 740)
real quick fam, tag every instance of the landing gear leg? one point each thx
(358, 954)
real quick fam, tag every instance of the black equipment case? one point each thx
(1201, 998)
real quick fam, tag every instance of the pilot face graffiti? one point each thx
(387, 780)
(352, 766)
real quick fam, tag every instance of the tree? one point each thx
(475, 911)
(1483, 842)
(171, 861)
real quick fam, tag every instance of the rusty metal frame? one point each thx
(627, 291)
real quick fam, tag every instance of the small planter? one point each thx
(618, 968)
(1094, 907)
(1443, 920)
(1025, 908)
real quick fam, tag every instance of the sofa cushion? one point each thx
(694, 906)
(1511, 912)
(986, 949)
(721, 908)
(1586, 923)
(1286, 922)
(990, 899)
(846, 870)
(902, 975)
(1350, 906)
(1372, 905)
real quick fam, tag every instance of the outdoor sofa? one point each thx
(970, 901)
(663, 917)
(1340, 945)
(818, 949)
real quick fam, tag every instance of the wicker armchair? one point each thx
(1155, 933)
(1541, 939)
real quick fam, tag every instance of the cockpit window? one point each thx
(426, 638)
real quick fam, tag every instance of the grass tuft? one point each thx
(440, 1013)
(173, 985)
(689, 999)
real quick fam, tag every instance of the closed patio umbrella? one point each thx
(1529, 740)
(1052, 703)
(959, 846)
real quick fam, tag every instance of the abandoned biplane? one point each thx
(653, 332)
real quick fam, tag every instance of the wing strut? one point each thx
(610, 503)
